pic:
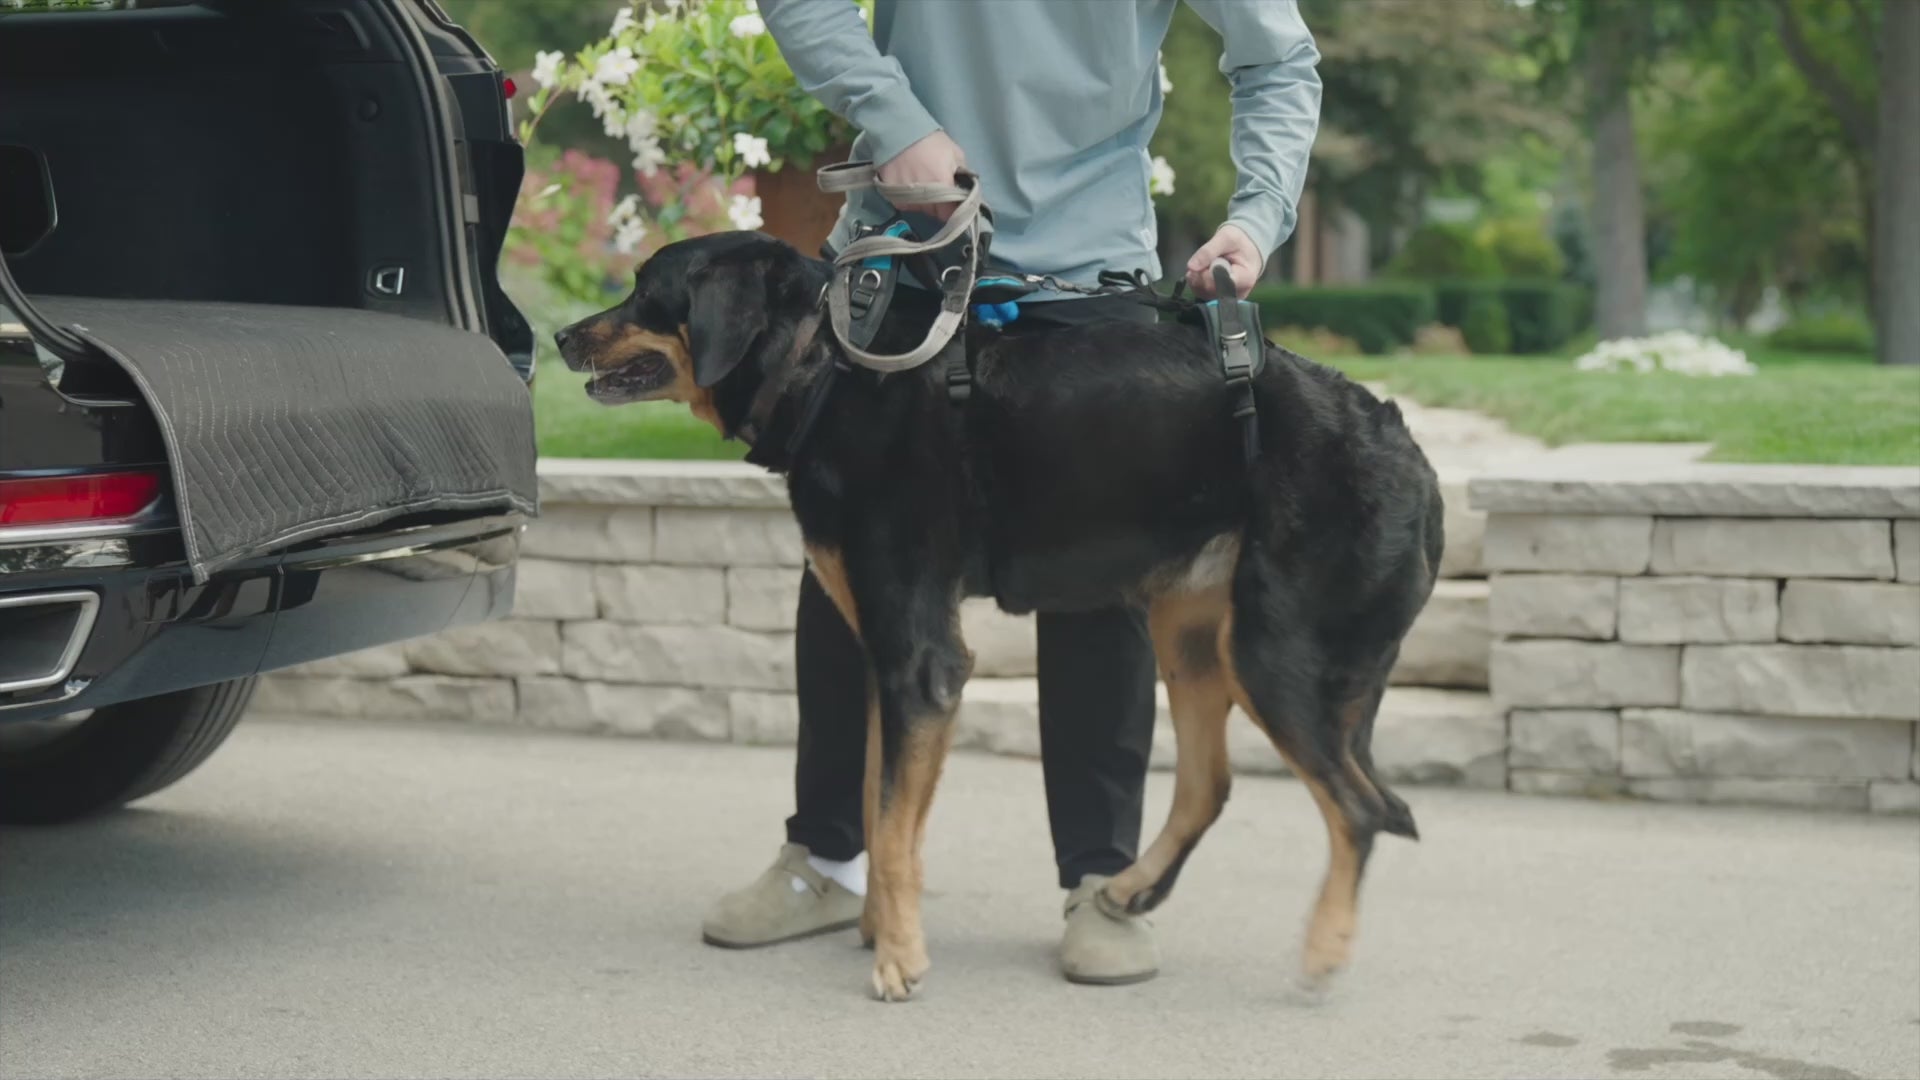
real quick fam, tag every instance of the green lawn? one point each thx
(1806, 409)
(1802, 409)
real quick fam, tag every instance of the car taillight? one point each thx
(55, 500)
(507, 87)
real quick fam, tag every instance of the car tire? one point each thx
(118, 754)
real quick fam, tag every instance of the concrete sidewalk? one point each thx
(346, 899)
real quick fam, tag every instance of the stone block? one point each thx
(412, 697)
(1802, 680)
(1671, 742)
(708, 657)
(1906, 549)
(1580, 674)
(763, 597)
(1682, 610)
(662, 712)
(1650, 480)
(1571, 544)
(1449, 641)
(379, 662)
(703, 537)
(504, 647)
(1850, 612)
(1893, 797)
(550, 589)
(1003, 645)
(671, 595)
(1580, 606)
(1424, 736)
(1570, 740)
(1000, 716)
(762, 719)
(1773, 547)
(1736, 791)
(1577, 785)
(1466, 530)
(590, 534)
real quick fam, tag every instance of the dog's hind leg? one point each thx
(1316, 709)
(1186, 642)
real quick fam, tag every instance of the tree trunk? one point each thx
(1619, 219)
(1896, 251)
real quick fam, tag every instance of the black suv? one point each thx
(261, 398)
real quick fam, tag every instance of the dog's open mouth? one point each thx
(635, 380)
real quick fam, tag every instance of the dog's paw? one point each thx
(897, 973)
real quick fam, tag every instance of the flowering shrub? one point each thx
(699, 82)
(1676, 351)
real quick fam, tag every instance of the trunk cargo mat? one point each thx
(285, 424)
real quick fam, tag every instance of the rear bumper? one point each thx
(155, 631)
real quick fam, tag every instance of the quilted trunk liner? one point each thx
(285, 424)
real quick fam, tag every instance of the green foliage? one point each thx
(1544, 315)
(1439, 250)
(1537, 316)
(1521, 247)
(1379, 318)
(1751, 181)
(1484, 324)
(1834, 331)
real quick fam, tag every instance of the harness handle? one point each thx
(861, 175)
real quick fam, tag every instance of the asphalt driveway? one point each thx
(345, 899)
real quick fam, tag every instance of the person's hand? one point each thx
(932, 160)
(1243, 261)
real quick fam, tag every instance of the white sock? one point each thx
(851, 874)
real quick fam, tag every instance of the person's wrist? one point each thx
(1250, 244)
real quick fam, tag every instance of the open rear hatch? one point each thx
(261, 220)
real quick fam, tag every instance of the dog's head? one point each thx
(698, 309)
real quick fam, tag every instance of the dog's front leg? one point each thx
(918, 690)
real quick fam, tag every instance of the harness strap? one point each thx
(1234, 325)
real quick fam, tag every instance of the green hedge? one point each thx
(1825, 332)
(1379, 318)
(1541, 315)
(1535, 317)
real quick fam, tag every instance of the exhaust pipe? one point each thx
(42, 635)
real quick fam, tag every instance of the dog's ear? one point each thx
(728, 312)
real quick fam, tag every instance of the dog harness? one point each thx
(866, 274)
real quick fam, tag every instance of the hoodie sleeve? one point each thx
(1270, 59)
(832, 54)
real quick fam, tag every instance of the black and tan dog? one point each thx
(1090, 466)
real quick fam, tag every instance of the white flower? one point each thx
(674, 5)
(652, 20)
(598, 99)
(627, 236)
(745, 26)
(752, 150)
(546, 68)
(648, 156)
(641, 127)
(627, 209)
(615, 68)
(1166, 84)
(547, 191)
(1676, 351)
(622, 21)
(745, 212)
(1161, 182)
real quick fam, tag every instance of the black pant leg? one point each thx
(830, 765)
(1097, 681)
